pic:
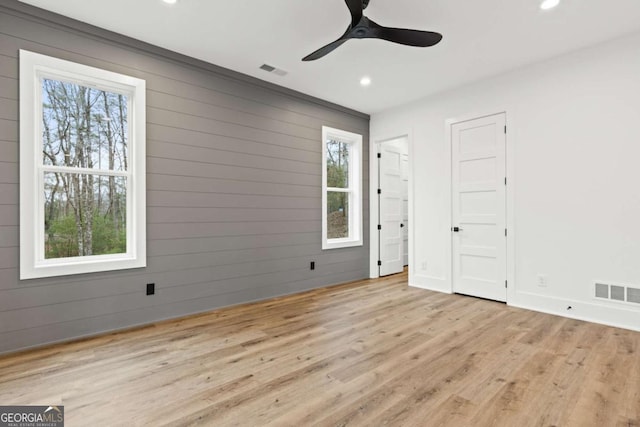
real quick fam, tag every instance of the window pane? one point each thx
(83, 127)
(337, 215)
(84, 215)
(337, 164)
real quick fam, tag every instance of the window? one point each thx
(82, 169)
(341, 189)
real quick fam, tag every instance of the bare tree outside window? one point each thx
(337, 179)
(83, 129)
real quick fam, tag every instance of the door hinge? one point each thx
(506, 284)
(379, 263)
(505, 231)
(505, 180)
(379, 155)
(379, 191)
(505, 128)
(379, 227)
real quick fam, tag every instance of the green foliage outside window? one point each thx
(86, 129)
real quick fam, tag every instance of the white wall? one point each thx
(574, 150)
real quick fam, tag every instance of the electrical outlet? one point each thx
(543, 280)
(424, 265)
(151, 288)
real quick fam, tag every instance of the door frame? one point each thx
(374, 241)
(510, 121)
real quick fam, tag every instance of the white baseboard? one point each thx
(431, 283)
(616, 316)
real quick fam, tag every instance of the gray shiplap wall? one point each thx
(233, 190)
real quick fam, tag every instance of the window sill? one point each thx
(340, 243)
(83, 265)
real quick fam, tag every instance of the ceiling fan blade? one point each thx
(355, 7)
(328, 48)
(324, 50)
(404, 36)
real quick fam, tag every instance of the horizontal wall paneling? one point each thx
(233, 190)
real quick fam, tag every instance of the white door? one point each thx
(479, 207)
(405, 208)
(390, 185)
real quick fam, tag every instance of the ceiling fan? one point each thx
(362, 27)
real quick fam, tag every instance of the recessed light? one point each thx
(549, 4)
(365, 81)
(170, 1)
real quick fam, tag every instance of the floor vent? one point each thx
(617, 293)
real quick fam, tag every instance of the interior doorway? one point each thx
(393, 205)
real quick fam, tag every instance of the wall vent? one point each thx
(271, 69)
(602, 290)
(633, 295)
(617, 292)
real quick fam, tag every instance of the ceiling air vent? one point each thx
(617, 292)
(271, 69)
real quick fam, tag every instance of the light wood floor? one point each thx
(370, 353)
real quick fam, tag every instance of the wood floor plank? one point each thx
(368, 353)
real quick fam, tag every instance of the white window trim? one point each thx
(34, 67)
(355, 188)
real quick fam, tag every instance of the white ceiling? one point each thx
(481, 38)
